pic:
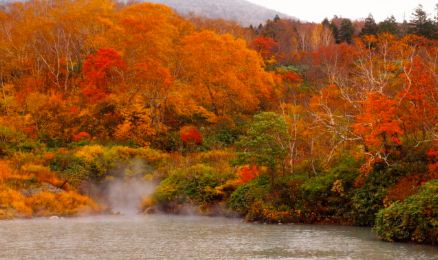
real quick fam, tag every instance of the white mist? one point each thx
(124, 196)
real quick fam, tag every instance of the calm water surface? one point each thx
(175, 237)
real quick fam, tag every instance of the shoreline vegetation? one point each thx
(286, 122)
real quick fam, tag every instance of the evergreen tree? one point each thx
(389, 25)
(421, 24)
(436, 14)
(260, 27)
(370, 27)
(265, 143)
(326, 23)
(436, 22)
(346, 31)
(334, 29)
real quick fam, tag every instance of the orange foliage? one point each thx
(156, 25)
(127, 73)
(154, 74)
(419, 98)
(5, 171)
(378, 124)
(46, 176)
(228, 82)
(69, 203)
(133, 72)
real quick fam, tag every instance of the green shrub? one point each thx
(297, 197)
(315, 198)
(328, 195)
(368, 199)
(347, 170)
(12, 141)
(257, 201)
(244, 196)
(268, 213)
(71, 168)
(414, 219)
(95, 162)
(219, 138)
(169, 142)
(317, 188)
(193, 185)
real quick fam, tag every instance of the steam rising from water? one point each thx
(125, 188)
(125, 195)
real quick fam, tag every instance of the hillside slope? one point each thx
(241, 11)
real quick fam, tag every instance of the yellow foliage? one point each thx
(89, 152)
(338, 187)
(69, 203)
(34, 168)
(18, 159)
(274, 216)
(228, 187)
(148, 203)
(12, 204)
(215, 155)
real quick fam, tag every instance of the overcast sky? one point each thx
(317, 10)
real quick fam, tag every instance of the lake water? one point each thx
(178, 237)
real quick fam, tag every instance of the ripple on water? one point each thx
(175, 237)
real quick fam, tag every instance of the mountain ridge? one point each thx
(241, 11)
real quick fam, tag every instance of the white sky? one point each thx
(317, 10)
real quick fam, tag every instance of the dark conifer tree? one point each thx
(389, 25)
(421, 24)
(335, 30)
(346, 31)
(370, 26)
(435, 36)
(326, 22)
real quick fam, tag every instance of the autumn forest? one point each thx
(284, 122)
